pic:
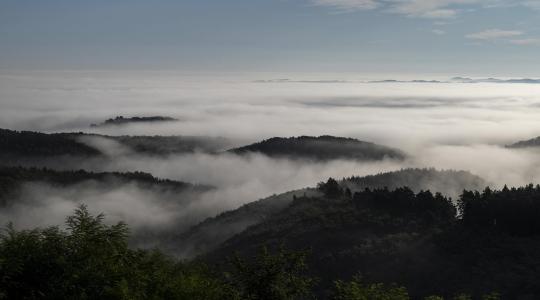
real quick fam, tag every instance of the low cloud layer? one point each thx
(155, 215)
(455, 125)
(396, 114)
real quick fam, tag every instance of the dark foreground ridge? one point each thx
(373, 244)
(320, 148)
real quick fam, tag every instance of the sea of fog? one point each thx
(446, 125)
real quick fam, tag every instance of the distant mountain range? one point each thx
(457, 79)
(320, 149)
(463, 80)
(496, 80)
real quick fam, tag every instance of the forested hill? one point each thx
(11, 179)
(20, 144)
(121, 120)
(209, 233)
(36, 144)
(320, 148)
(412, 239)
(534, 142)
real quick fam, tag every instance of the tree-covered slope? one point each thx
(320, 148)
(211, 232)
(414, 240)
(12, 178)
(29, 144)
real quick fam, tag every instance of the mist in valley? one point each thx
(460, 126)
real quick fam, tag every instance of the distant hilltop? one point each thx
(321, 148)
(121, 120)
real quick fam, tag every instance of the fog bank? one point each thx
(400, 114)
(460, 126)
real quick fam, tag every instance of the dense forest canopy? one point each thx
(488, 242)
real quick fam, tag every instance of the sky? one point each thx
(456, 37)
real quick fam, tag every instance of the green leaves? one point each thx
(266, 276)
(356, 289)
(91, 260)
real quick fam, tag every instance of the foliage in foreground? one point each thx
(91, 260)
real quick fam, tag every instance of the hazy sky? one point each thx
(461, 37)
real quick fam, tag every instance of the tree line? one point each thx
(91, 260)
(356, 246)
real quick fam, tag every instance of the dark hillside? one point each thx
(534, 142)
(321, 148)
(20, 145)
(208, 234)
(414, 240)
(36, 144)
(12, 178)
